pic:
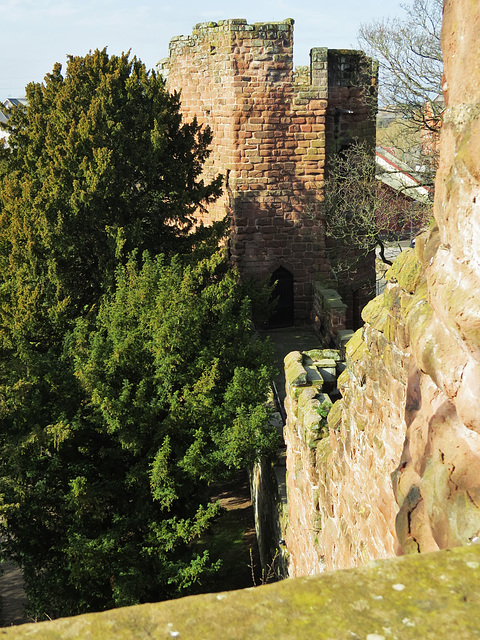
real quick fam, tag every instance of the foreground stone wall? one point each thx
(399, 470)
(272, 133)
(402, 599)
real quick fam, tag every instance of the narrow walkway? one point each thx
(285, 341)
(12, 596)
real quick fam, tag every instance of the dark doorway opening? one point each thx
(357, 309)
(282, 297)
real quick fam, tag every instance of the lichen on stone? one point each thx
(334, 417)
(355, 346)
(439, 599)
(295, 373)
(375, 313)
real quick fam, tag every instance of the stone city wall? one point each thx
(399, 469)
(341, 507)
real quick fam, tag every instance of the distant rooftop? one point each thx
(399, 176)
(7, 104)
(14, 102)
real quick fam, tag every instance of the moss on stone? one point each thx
(390, 329)
(334, 417)
(295, 374)
(426, 596)
(411, 273)
(314, 377)
(314, 417)
(324, 451)
(420, 325)
(360, 423)
(420, 242)
(343, 379)
(317, 355)
(291, 358)
(397, 266)
(391, 298)
(305, 397)
(409, 302)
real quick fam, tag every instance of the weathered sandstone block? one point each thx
(432, 596)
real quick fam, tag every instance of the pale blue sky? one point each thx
(37, 33)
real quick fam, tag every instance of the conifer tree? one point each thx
(129, 376)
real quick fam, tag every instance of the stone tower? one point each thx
(273, 129)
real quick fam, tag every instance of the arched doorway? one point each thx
(282, 296)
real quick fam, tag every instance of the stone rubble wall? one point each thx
(311, 382)
(399, 469)
(268, 478)
(272, 132)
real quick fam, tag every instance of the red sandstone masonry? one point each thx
(270, 137)
(341, 507)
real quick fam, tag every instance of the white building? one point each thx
(8, 104)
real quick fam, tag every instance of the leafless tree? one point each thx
(410, 57)
(360, 214)
(410, 63)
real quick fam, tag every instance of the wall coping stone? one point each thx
(429, 596)
(331, 296)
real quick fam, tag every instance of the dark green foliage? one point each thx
(99, 164)
(168, 365)
(129, 375)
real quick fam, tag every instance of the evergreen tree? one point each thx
(129, 376)
(99, 164)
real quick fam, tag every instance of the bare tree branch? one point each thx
(361, 212)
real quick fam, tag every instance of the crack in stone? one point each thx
(450, 480)
(472, 500)
(409, 521)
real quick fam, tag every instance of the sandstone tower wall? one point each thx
(272, 130)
